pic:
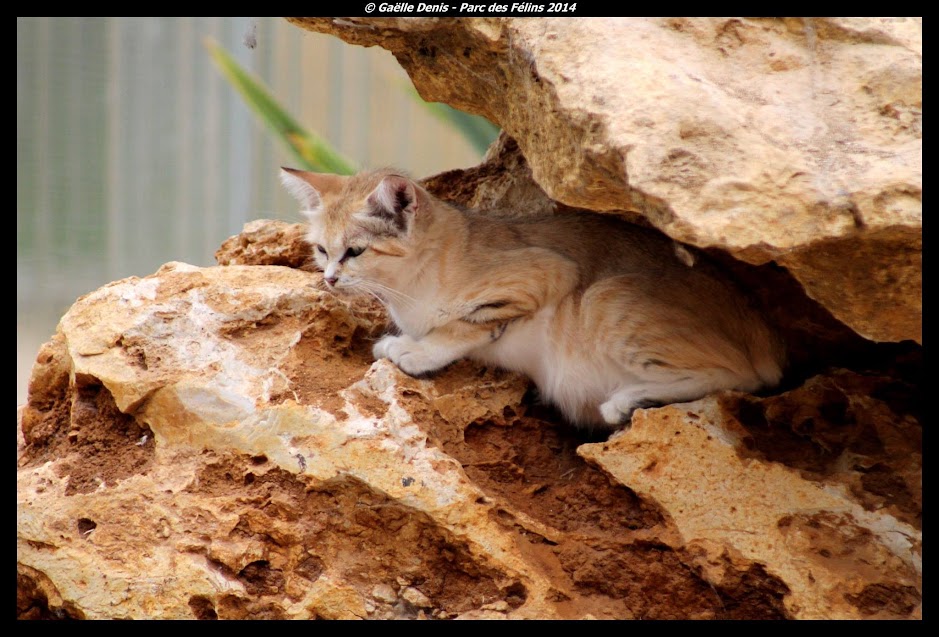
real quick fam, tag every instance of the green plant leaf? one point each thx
(312, 151)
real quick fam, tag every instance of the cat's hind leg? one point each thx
(619, 407)
(618, 410)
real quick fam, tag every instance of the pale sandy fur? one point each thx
(602, 315)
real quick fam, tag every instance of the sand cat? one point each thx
(604, 316)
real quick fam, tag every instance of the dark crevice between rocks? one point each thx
(79, 425)
(863, 431)
(534, 467)
(202, 607)
(889, 600)
(815, 340)
(595, 529)
(752, 594)
(259, 578)
(343, 527)
(649, 580)
(32, 598)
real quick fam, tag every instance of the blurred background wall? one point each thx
(132, 150)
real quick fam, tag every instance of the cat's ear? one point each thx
(393, 199)
(308, 188)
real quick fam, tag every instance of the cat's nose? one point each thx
(331, 280)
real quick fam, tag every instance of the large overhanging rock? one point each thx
(217, 442)
(791, 140)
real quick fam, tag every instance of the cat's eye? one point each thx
(320, 249)
(351, 253)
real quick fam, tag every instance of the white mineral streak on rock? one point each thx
(206, 391)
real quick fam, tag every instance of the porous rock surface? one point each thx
(218, 443)
(797, 141)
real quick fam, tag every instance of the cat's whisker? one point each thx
(398, 295)
(375, 296)
(359, 287)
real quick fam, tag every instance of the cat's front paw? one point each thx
(383, 348)
(409, 355)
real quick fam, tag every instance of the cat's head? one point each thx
(362, 227)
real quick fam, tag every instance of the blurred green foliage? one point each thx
(312, 151)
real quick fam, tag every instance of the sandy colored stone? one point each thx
(798, 141)
(218, 387)
(731, 498)
(218, 443)
(266, 242)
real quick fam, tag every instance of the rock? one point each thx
(802, 490)
(786, 140)
(266, 242)
(227, 453)
(218, 443)
(384, 593)
(416, 597)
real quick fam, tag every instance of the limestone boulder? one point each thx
(786, 140)
(218, 443)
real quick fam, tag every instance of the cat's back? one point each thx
(600, 245)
